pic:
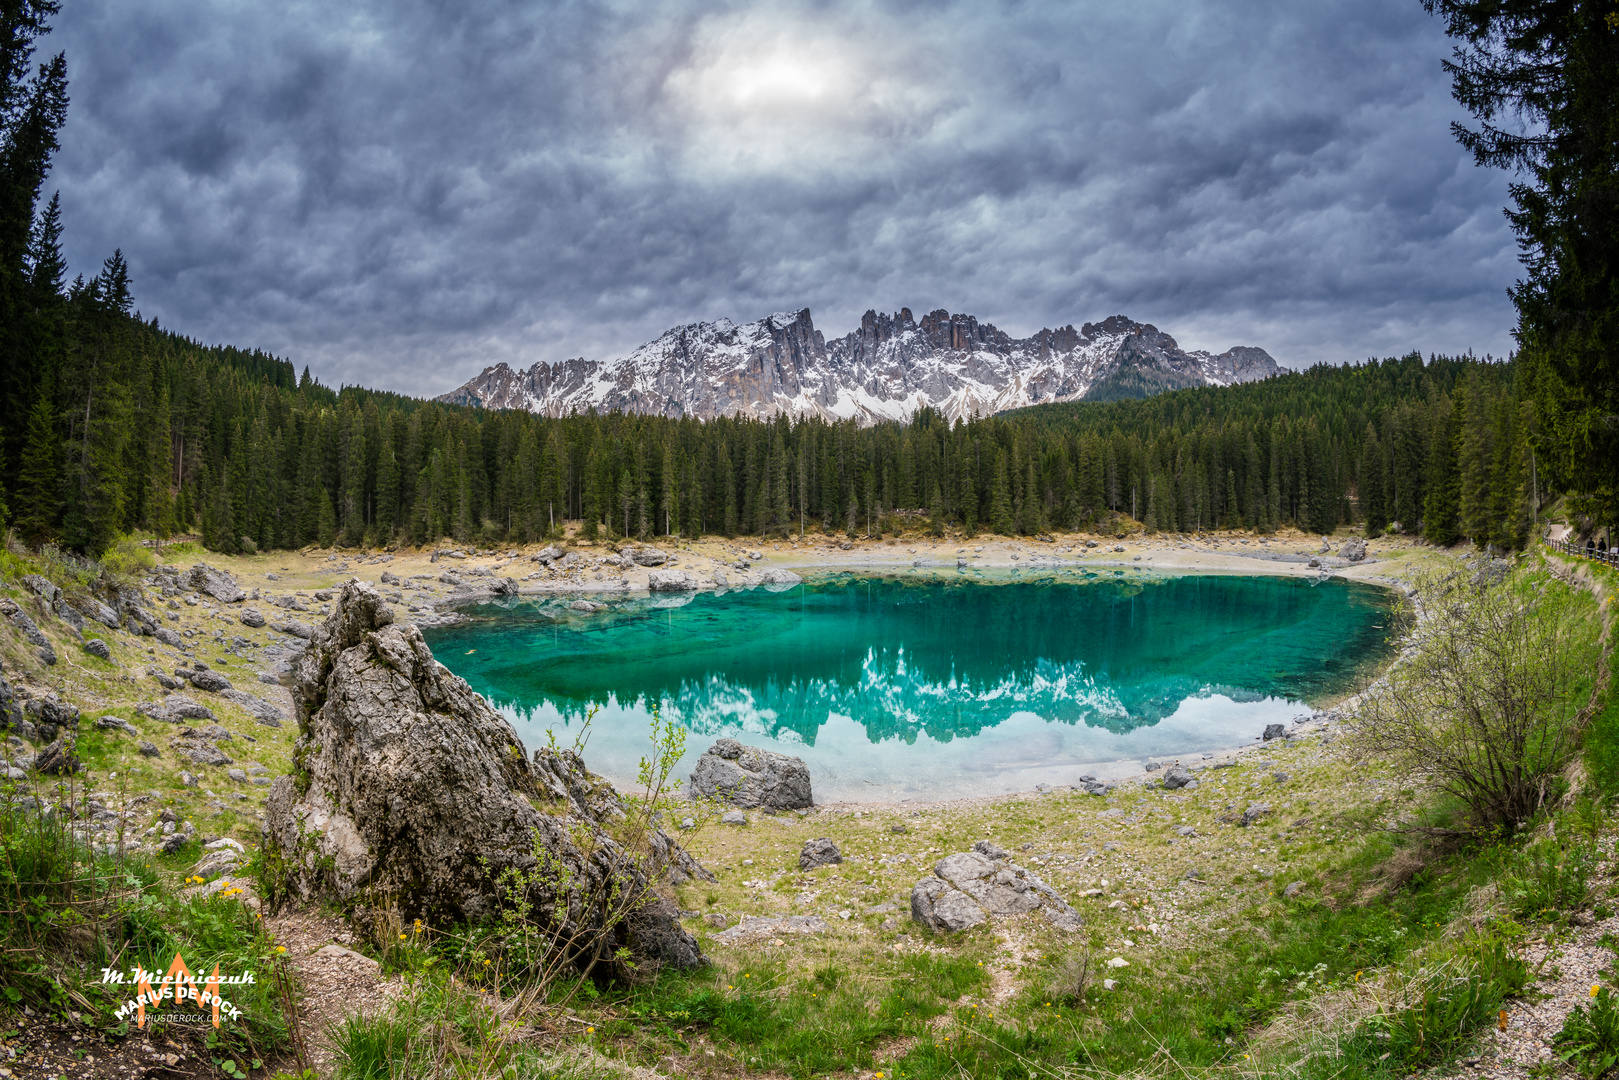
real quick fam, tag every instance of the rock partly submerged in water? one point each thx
(412, 788)
(672, 581)
(752, 778)
(971, 887)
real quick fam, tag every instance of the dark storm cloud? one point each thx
(399, 193)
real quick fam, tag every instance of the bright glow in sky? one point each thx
(400, 192)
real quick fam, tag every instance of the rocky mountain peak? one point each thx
(887, 369)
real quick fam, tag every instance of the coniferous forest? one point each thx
(110, 424)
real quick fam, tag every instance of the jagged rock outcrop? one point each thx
(51, 715)
(410, 786)
(174, 708)
(10, 710)
(215, 583)
(889, 368)
(971, 887)
(751, 778)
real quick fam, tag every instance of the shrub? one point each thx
(1589, 1040)
(127, 557)
(1481, 698)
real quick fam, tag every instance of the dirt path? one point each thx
(335, 983)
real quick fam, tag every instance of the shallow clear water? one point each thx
(913, 686)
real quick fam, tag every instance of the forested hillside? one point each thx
(124, 426)
(110, 424)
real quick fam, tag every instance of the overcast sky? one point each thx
(399, 193)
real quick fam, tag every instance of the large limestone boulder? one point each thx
(647, 555)
(671, 581)
(215, 583)
(971, 887)
(410, 788)
(749, 777)
(1354, 549)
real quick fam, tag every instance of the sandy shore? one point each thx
(739, 562)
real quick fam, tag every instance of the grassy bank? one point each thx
(1341, 933)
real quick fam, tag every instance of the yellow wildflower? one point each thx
(1595, 988)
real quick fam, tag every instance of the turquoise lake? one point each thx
(916, 686)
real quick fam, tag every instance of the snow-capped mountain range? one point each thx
(886, 370)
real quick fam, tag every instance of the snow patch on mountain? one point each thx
(888, 369)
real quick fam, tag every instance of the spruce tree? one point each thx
(1000, 497)
(1369, 476)
(36, 497)
(1441, 510)
(1553, 67)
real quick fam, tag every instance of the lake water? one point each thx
(922, 686)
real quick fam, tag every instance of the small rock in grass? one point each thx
(1118, 962)
(716, 920)
(734, 817)
(98, 648)
(149, 749)
(1110, 984)
(818, 852)
(1274, 731)
(209, 680)
(1293, 890)
(1176, 777)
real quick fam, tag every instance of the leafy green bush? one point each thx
(127, 558)
(1547, 879)
(1484, 696)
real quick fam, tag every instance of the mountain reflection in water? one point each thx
(914, 662)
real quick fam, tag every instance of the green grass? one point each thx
(68, 913)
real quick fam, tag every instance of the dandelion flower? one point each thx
(401, 937)
(1595, 988)
(590, 1031)
(280, 948)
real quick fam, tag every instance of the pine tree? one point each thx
(354, 467)
(36, 496)
(160, 463)
(1000, 498)
(1440, 510)
(1373, 504)
(1554, 68)
(222, 519)
(387, 482)
(326, 527)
